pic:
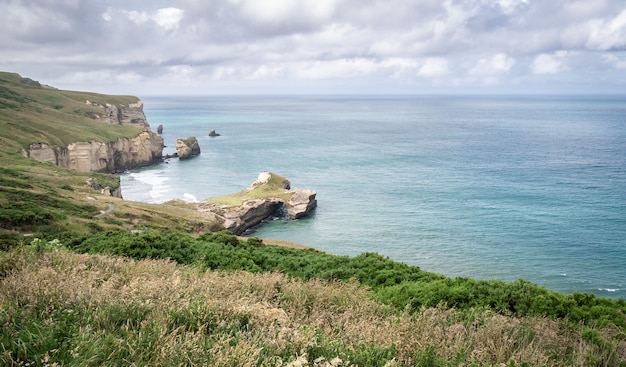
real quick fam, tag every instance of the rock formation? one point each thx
(213, 134)
(269, 194)
(104, 190)
(187, 148)
(131, 114)
(160, 129)
(93, 156)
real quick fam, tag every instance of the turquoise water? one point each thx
(484, 187)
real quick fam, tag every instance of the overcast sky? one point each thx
(317, 46)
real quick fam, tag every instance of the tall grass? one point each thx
(61, 308)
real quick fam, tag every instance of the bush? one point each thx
(392, 282)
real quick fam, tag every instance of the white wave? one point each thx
(157, 182)
(190, 197)
(609, 289)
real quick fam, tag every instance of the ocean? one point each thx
(488, 187)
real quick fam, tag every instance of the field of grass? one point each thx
(31, 114)
(62, 308)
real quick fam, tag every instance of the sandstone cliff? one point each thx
(129, 114)
(116, 156)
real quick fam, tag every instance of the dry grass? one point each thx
(156, 312)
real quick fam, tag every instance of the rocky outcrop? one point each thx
(120, 114)
(106, 191)
(301, 203)
(268, 196)
(251, 213)
(187, 148)
(213, 133)
(160, 129)
(93, 156)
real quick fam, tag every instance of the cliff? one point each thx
(95, 156)
(120, 114)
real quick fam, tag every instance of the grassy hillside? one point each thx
(37, 197)
(34, 114)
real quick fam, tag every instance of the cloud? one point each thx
(166, 18)
(608, 34)
(407, 42)
(434, 67)
(614, 61)
(498, 64)
(549, 64)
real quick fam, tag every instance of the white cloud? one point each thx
(280, 11)
(509, 6)
(549, 64)
(498, 64)
(434, 67)
(168, 18)
(607, 34)
(137, 17)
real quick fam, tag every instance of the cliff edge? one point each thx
(84, 131)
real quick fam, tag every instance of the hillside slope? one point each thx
(41, 197)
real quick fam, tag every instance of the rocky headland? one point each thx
(268, 196)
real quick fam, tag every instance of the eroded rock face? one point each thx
(252, 212)
(301, 203)
(117, 156)
(122, 154)
(187, 148)
(130, 114)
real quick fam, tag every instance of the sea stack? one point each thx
(187, 148)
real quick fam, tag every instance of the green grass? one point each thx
(272, 189)
(63, 308)
(30, 114)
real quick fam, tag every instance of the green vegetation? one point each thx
(62, 308)
(392, 282)
(151, 284)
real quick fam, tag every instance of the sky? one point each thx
(283, 47)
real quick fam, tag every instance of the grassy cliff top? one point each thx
(40, 197)
(32, 113)
(273, 187)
